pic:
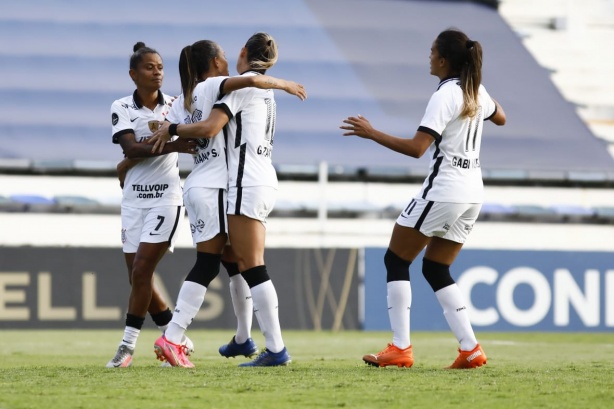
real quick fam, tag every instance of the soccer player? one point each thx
(250, 116)
(442, 214)
(203, 70)
(151, 203)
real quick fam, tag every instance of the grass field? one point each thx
(65, 369)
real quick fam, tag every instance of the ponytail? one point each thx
(261, 52)
(194, 61)
(471, 78)
(465, 59)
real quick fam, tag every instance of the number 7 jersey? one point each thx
(454, 174)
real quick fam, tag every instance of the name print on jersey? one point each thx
(157, 190)
(465, 163)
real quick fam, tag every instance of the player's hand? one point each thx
(295, 88)
(357, 126)
(123, 167)
(183, 145)
(160, 137)
(122, 170)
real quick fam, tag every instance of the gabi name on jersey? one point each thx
(465, 163)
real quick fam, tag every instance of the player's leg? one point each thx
(439, 256)
(158, 309)
(243, 307)
(148, 233)
(247, 212)
(141, 279)
(194, 288)
(248, 236)
(206, 211)
(405, 244)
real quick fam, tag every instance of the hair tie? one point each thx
(469, 44)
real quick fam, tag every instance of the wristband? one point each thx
(172, 129)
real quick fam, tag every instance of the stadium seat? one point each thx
(574, 213)
(605, 214)
(77, 204)
(531, 212)
(496, 211)
(35, 203)
(8, 205)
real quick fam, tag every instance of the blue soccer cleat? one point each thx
(232, 349)
(268, 358)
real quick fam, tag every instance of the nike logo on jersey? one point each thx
(154, 234)
(134, 119)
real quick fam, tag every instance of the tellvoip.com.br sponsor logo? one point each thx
(507, 290)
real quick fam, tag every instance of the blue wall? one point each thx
(507, 290)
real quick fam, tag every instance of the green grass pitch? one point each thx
(65, 369)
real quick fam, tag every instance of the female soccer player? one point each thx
(442, 214)
(204, 77)
(250, 115)
(151, 203)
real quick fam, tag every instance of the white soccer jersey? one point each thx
(250, 136)
(210, 169)
(454, 172)
(153, 181)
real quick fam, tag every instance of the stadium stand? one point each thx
(67, 62)
(57, 88)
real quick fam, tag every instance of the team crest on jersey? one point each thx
(202, 143)
(114, 118)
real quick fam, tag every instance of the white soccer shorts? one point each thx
(206, 209)
(154, 225)
(255, 202)
(451, 221)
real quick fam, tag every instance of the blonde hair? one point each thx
(261, 51)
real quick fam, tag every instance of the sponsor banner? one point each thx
(507, 290)
(69, 287)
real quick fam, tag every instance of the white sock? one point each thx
(456, 314)
(267, 314)
(189, 301)
(131, 334)
(399, 304)
(243, 307)
(162, 328)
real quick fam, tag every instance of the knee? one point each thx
(142, 272)
(436, 274)
(397, 269)
(205, 269)
(232, 268)
(255, 276)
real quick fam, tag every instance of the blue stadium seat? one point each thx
(76, 204)
(9, 205)
(34, 203)
(84, 48)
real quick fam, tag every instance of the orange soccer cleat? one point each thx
(469, 359)
(391, 355)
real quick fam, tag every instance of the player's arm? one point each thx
(208, 128)
(264, 82)
(414, 147)
(498, 117)
(135, 150)
(123, 167)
